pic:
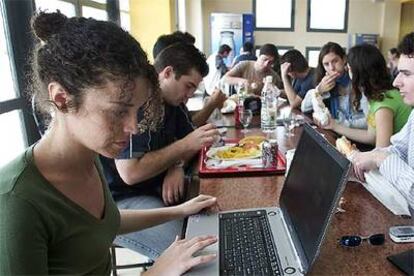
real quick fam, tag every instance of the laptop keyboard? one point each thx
(246, 244)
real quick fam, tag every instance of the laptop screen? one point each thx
(311, 190)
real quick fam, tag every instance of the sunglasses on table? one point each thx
(353, 241)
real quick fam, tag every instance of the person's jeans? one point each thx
(150, 242)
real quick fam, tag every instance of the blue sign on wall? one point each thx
(248, 27)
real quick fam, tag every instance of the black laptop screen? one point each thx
(311, 188)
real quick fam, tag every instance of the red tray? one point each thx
(203, 171)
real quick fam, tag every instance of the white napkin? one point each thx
(386, 193)
(224, 164)
(228, 106)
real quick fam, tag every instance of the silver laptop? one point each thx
(281, 240)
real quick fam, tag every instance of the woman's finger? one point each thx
(191, 242)
(203, 259)
(202, 244)
(203, 197)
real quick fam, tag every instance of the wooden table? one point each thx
(364, 215)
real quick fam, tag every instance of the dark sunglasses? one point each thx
(352, 241)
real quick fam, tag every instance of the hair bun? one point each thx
(45, 24)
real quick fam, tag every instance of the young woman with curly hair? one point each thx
(57, 215)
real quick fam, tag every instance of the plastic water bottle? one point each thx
(241, 96)
(268, 113)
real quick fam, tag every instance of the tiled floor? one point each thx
(126, 256)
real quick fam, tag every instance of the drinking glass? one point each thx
(289, 122)
(246, 116)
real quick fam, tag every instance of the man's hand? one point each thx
(217, 99)
(173, 186)
(200, 137)
(284, 69)
(366, 161)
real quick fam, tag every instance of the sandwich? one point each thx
(345, 147)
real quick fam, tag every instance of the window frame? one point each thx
(280, 29)
(308, 20)
(17, 17)
(111, 7)
(20, 42)
(311, 48)
(283, 47)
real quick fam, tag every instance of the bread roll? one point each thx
(345, 147)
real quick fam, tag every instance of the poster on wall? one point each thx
(228, 28)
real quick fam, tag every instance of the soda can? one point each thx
(269, 153)
(237, 111)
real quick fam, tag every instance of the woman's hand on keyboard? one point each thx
(178, 258)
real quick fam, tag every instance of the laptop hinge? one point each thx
(294, 244)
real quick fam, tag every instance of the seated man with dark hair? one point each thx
(150, 171)
(298, 78)
(251, 73)
(168, 39)
(217, 97)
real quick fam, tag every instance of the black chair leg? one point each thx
(115, 267)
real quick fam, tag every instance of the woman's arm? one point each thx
(135, 220)
(384, 121)
(359, 135)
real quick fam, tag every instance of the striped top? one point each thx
(398, 167)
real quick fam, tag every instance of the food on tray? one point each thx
(239, 151)
(320, 112)
(345, 147)
(257, 140)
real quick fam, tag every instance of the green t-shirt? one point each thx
(395, 103)
(44, 232)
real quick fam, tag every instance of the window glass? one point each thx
(66, 8)
(274, 14)
(313, 56)
(12, 140)
(94, 13)
(125, 21)
(8, 90)
(124, 5)
(99, 1)
(327, 15)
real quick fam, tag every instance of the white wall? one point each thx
(365, 16)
